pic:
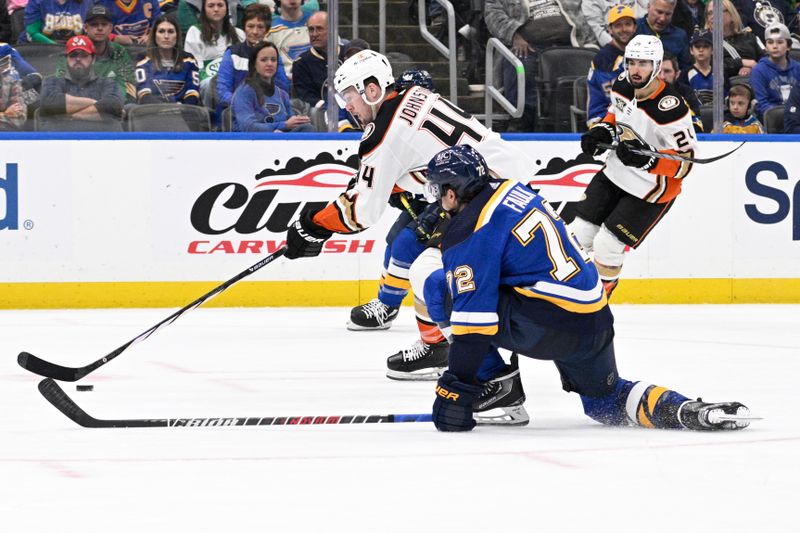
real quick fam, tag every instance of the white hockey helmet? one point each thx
(360, 67)
(647, 47)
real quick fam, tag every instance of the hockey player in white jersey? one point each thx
(401, 134)
(633, 192)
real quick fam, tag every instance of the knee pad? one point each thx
(609, 252)
(426, 263)
(584, 231)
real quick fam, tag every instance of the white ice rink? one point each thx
(562, 473)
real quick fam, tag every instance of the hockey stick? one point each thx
(56, 396)
(30, 362)
(674, 157)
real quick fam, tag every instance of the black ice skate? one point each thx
(421, 362)
(374, 315)
(500, 403)
(703, 416)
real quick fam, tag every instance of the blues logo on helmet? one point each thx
(460, 168)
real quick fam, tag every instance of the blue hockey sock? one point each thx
(636, 403)
(492, 365)
(405, 248)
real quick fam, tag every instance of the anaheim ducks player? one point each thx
(402, 132)
(633, 192)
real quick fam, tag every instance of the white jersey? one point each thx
(664, 121)
(408, 131)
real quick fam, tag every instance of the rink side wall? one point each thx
(156, 220)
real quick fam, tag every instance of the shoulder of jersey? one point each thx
(375, 132)
(667, 107)
(622, 86)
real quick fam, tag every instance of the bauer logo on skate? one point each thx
(276, 199)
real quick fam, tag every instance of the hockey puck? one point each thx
(85, 388)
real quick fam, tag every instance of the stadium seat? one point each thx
(773, 119)
(43, 57)
(707, 117)
(65, 123)
(558, 68)
(227, 119)
(168, 117)
(577, 111)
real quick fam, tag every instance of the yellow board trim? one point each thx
(75, 295)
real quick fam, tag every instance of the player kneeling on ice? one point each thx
(519, 281)
(633, 192)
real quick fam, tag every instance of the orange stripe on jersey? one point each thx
(331, 219)
(666, 167)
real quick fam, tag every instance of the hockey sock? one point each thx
(636, 403)
(492, 365)
(395, 284)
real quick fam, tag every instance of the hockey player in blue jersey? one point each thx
(520, 281)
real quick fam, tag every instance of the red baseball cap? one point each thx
(80, 42)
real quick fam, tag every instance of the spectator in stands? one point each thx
(166, 74)
(258, 104)
(290, 34)
(54, 21)
(80, 99)
(739, 107)
(16, 14)
(527, 28)
(775, 75)
(111, 60)
(208, 40)
(759, 14)
(689, 15)
(233, 67)
(791, 113)
(741, 49)
(310, 80)
(188, 14)
(700, 76)
(671, 75)
(608, 63)
(132, 19)
(596, 14)
(658, 22)
(10, 58)
(13, 109)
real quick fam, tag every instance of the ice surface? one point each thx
(561, 473)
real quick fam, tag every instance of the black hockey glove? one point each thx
(430, 225)
(602, 132)
(631, 159)
(305, 237)
(452, 409)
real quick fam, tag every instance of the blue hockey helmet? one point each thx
(414, 76)
(460, 168)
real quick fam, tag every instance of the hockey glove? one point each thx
(305, 237)
(631, 159)
(602, 132)
(452, 409)
(431, 224)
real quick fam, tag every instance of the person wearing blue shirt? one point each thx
(607, 63)
(167, 74)
(518, 280)
(234, 65)
(774, 75)
(258, 105)
(658, 22)
(791, 113)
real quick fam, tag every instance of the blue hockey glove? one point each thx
(602, 132)
(305, 237)
(452, 409)
(630, 159)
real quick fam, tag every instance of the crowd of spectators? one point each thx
(210, 54)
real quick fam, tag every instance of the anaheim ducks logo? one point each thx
(668, 102)
(368, 131)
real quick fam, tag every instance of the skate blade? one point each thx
(428, 374)
(503, 416)
(355, 327)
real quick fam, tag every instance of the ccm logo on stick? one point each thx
(769, 171)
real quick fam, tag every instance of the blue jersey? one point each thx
(510, 238)
(132, 17)
(157, 86)
(59, 22)
(606, 66)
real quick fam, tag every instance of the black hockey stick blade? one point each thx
(674, 157)
(54, 394)
(34, 364)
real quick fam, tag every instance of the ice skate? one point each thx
(703, 416)
(421, 362)
(373, 315)
(500, 403)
